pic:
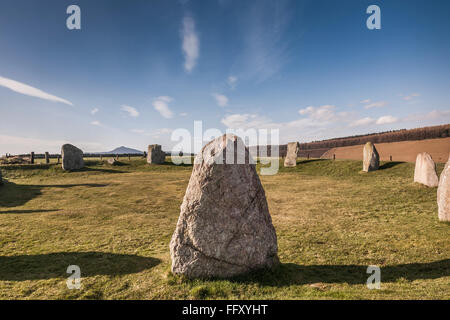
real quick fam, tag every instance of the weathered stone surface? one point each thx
(443, 193)
(371, 158)
(291, 154)
(224, 228)
(112, 161)
(155, 154)
(425, 171)
(72, 157)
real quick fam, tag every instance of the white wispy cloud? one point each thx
(410, 97)
(25, 89)
(362, 122)
(132, 112)
(221, 99)
(94, 111)
(96, 123)
(442, 115)
(18, 145)
(232, 82)
(387, 120)
(154, 133)
(190, 43)
(377, 104)
(324, 113)
(161, 104)
(266, 46)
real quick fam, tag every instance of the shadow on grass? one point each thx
(14, 195)
(310, 160)
(87, 169)
(54, 265)
(293, 274)
(389, 165)
(27, 211)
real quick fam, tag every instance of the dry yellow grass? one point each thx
(116, 224)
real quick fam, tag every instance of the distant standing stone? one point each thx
(371, 158)
(291, 154)
(425, 171)
(72, 157)
(443, 193)
(155, 154)
(224, 228)
(47, 157)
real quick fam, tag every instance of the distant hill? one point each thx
(123, 150)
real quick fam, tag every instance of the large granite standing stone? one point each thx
(425, 171)
(155, 154)
(443, 193)
(371, 158)
(291, 154)
(225, 227)
(72, 157)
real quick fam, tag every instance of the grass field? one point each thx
(332, 221)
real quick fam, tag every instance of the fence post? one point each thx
(32, 157)
(58, 158)
(334, 157)
(390, 158)
(47, 158)
(129, 157)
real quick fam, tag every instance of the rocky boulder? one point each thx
(291, 154)
(425, 171)
(112, 161)
(371, 158)
(225, 227)
(443, 193)
(155, 154)
(72, 157)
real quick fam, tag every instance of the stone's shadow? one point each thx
(28, 166)
(293, 274)
(389, 165)
(14, 195)
(54, 265)
(310, 160)
(27, 211)
(87, 169)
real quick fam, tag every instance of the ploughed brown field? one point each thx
(406, 151)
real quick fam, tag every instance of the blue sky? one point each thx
(137, 70)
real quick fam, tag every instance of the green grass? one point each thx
(115, 222)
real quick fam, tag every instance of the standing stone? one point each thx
(443, 193)
(224, 228)
(72, 157)
(47, 158)
(371, 158)
(291, 154)
(155, 154)
(425, 171)
(32, 157)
